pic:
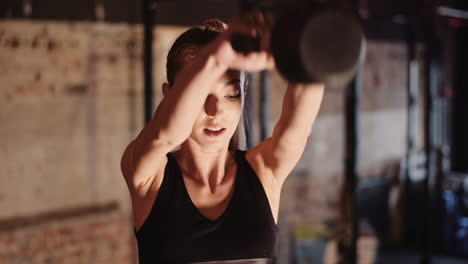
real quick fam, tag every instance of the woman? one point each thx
(209, 201)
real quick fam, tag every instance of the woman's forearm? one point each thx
(301, 104)
(175, 115)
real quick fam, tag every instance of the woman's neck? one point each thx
(206, 167)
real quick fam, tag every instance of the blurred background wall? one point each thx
(71, 99)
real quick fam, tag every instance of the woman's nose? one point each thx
(213, 106)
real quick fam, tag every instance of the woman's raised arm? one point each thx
(182, 103)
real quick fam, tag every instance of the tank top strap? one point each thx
(252, 186)
(168, 179)
(166, 193)
(172, 184)
(173, 173)
(246, 171)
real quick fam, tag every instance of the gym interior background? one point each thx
(74, 90)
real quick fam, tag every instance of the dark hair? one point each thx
(187, 45)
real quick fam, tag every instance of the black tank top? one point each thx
(175, 231)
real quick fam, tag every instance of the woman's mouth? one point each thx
(214, 132)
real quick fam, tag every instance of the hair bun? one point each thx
(213, 24)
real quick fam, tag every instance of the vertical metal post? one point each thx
(352, 105)
(348, 244)
(413, 204)
(264, 117)
(429, 55)
(412, 93)
(249, 114)
(427, 150)
(149, 7)
(459, 131)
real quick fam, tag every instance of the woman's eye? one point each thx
(234, 96)
(233, 89)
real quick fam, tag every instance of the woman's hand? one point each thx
(252, 24)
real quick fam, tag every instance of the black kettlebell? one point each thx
(313, 43)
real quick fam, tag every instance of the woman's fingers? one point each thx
(251, 24)
(254, 62)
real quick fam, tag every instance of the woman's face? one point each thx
(220, 115)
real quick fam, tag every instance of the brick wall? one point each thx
(97, 234)
(70, 101)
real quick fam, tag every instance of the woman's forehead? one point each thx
(231, 74)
